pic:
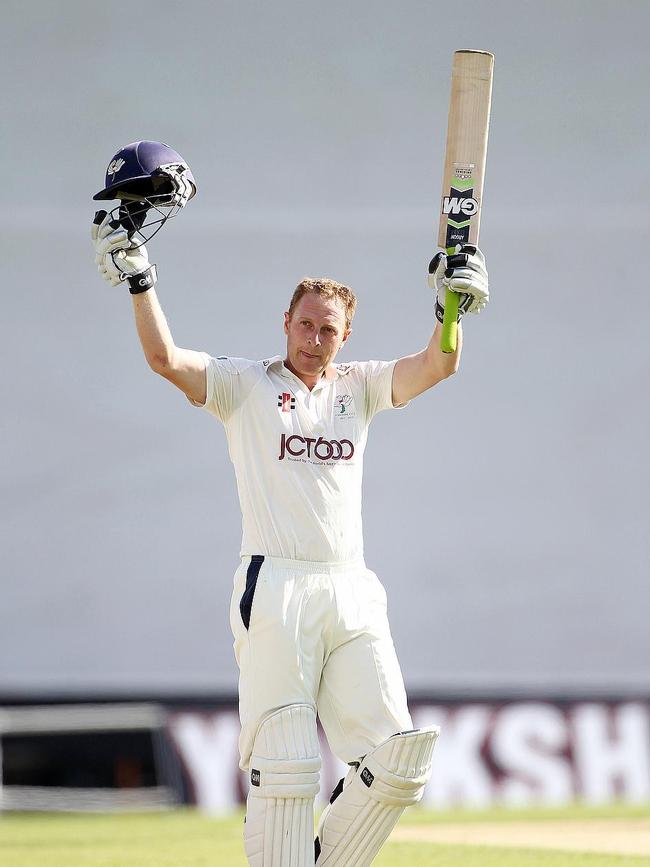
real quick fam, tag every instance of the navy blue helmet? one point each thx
(139, 171)
(145, 176)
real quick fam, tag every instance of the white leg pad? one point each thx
(357, 822)
(284, 774)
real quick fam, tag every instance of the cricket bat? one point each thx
(462, 183)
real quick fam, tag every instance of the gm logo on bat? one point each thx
(455, 205)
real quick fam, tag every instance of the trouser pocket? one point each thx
(246, 601)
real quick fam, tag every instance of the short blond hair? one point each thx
(326, 288)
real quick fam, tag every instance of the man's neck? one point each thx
(310, 381)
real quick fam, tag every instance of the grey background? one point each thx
(507, 510)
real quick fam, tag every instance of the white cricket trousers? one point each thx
(318, 634)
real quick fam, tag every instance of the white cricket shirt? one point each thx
(298, 454)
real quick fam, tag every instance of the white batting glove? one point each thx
(464, 272)
(121, 259)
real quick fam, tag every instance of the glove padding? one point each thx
(121, 258)
(464, 272)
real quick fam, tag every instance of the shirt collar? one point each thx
(276, 363)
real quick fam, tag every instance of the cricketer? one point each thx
(311, 633)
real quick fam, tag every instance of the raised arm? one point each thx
(125, 262)
(415, 373)
(185, 368)
(463, 272)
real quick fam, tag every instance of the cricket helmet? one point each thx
(144, 176)
(138, 172)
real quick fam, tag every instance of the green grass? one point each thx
(530, 814)
(187, 839)
(429, 855)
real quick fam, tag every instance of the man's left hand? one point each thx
(464, 272)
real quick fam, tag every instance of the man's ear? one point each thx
(286, 322)
(346, 334)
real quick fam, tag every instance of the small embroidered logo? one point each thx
(344, 401)
(115, 166)
(286, 401)
(367, 777)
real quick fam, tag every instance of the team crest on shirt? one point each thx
(344, 406)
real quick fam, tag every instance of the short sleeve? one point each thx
(228, 382)
(378, 378)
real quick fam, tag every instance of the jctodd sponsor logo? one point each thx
(315, 447)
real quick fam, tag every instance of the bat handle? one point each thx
(449, 324)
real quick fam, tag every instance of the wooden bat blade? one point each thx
(467, 136)
(465, 155)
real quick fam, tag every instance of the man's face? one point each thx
(315, 333)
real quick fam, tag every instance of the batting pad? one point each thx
(284, 772)
(356, 823)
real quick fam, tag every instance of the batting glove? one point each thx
(464, 272)
(121, 259)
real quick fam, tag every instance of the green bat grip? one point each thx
(449, 323)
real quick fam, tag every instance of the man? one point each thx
(309, 619)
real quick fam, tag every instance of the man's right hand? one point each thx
(121, 259)
(464, 272)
